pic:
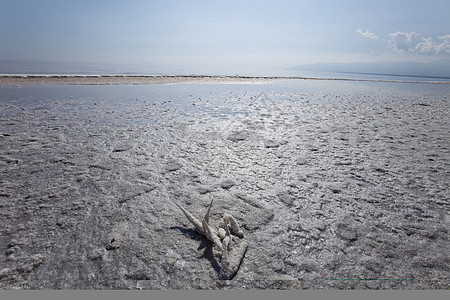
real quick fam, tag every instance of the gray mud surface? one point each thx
(333, 189)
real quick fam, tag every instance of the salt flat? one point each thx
(337, 185)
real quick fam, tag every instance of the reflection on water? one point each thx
(143, 103)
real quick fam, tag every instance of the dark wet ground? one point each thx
(335, 187)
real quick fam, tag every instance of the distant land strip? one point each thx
(162, 79)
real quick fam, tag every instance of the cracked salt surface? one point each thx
(336, 185)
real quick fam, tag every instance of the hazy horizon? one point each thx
(227, 38)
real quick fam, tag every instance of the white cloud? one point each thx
(425, 46)
(416, 43)
(404, 41)
(445, 38)
(367, 34)
(445, 46)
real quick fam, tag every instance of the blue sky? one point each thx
(223, 37)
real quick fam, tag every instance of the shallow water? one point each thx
(329, 179)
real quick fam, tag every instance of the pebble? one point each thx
(5, 272)
(238, 136)
(372, 264)
(346, 232)
(173, 166)
(286, 198)
(227, 184)
(271, 144)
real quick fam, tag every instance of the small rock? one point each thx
(113, 244)
(292, 184)
(372, 265)
(12, 250)
(307, 265)
(62, 222)
(431, 262)
(238, 136)
(301, 161)
(321, 226)
(37, 259)
(96, 254)
(346, 232)
(27, 267)
(286, 198)
(123, 147)
(277, 265)
(116, 236)
(172, 262)
(334, 188)
(14, 243)
(258, 219)
(271, 144)
(226, 184)
(204, 190)
(5, 272)
(139, 275)
(173, 166)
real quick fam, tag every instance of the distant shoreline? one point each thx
(399, 75)
(165, 79)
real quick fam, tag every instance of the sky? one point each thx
(221, 37)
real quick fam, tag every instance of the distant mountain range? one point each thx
(437, 69)
(29, 67)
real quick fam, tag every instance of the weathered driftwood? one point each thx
(233, 250)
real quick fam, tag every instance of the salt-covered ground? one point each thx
(336, 185)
